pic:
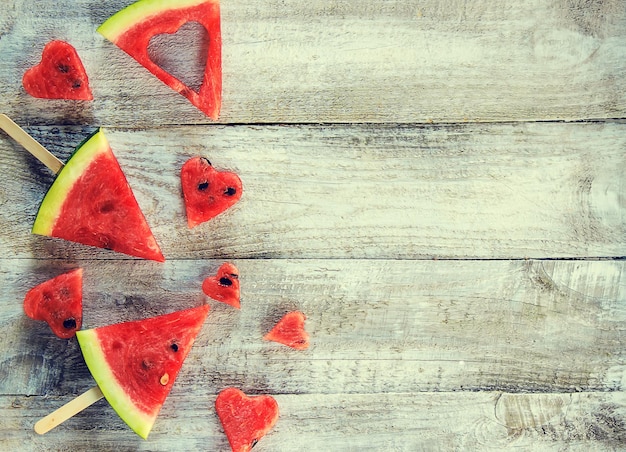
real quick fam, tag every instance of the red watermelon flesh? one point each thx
(59, 302)
(245, 419)
(136, 363)
(91, 202)
(132, 28)
(224, 286)
(290, 331)
(59, 75)
(206, 191)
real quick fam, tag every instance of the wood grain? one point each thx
(345, 61)
(377, 326)
(360, 191)
(438, 185)
(371, 422)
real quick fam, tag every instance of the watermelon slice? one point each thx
(59, 302)
(90, 202)
(290, 331)
(224, 286)
(59, 75)
(206, 191)
(132, 28)
(245, 419)
(136, 363)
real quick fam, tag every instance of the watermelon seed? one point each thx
(76, 84)
(174, 347)
(64, 68)
(164, 379)
(107, 206)
(254, 441)
(224, 281)
(203, 186)
(69, 324)
(230, 191)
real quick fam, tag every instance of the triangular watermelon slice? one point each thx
(136, 363)
(132, 28)
(90, 202)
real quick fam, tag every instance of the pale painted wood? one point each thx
(376, 326)
(404, 242)
(345, 422)
(361, 191)
(344, 61)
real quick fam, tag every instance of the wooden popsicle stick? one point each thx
(31, 145)
(68, 410)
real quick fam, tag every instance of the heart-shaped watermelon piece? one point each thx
(245, 419)
(224, 286)
(58, 302)
(290, 331)
(206, 191)
(59, 75)
(170, 51)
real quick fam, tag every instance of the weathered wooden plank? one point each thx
(407, 353)
(344, 61)
(399, 422)
(461, 191)
(376, 326)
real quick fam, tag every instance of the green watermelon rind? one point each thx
(75, 167)
(139, 421)
(127, 18)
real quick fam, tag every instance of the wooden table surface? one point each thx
(437, 184)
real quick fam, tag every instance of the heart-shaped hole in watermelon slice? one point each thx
(183, 54)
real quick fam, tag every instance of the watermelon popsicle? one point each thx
(90, 202)
(135, 365)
